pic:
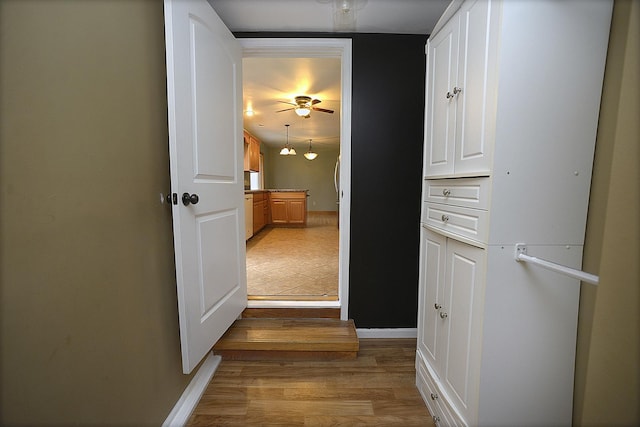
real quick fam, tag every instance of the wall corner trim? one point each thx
(183, 408)
(387, 333)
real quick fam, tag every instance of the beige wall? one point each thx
(89, 328)
(608, 356)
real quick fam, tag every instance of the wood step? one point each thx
(314, 313)
(289, 339)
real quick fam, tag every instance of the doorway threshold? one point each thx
(292, 304)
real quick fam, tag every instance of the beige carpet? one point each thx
(295, 263)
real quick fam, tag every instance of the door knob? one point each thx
(190, 198)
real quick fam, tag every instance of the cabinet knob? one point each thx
(434, 396)
(457, 90)
(437, 306)
(446, 192)
(443, 315)
(436, 419)
(450, 95)
(444, 218)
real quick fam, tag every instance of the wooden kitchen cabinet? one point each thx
(260, 211)
(288, 208)
(251, 153)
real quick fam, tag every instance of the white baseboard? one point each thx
(182, 410)
(387, 333)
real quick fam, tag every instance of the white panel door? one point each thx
(432, 274)
(440, 108)
(473, 147)
(464, 294)
(204, 69)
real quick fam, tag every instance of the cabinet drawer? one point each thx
(443, 415)
(467, 192)
(471, 223)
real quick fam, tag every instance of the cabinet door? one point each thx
(440, 105)
(296, 211)
(473, 145)
(247, 149)
(278, 211)
(254, 154)
(462, 323)
(432, 275)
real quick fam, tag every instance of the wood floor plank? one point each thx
(376, 389)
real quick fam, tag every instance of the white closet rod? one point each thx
(521, 255)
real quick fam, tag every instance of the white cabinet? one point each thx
(457, 139)
(513, 94)
(451, 296)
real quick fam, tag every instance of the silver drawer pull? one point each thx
(446, 192)
(434, 396)
(457, 90)
(437, 306)
(444, 218)
(443, 315)
(450, 95)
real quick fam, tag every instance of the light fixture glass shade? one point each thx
(292, 151)
(303, 111)
(310, 155)
(284, 151)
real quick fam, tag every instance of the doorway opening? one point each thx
(322, 226)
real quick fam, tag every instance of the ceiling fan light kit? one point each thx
(304, 105)
(303, 111)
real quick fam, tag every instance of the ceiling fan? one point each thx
(304, 105)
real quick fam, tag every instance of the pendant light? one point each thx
(310, 154)
(285, 150)
(292, 151)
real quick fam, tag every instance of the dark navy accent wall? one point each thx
(386, 170)
(386, 174)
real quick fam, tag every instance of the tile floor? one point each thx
(295, 263)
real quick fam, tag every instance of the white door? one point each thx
(462, 318)
(204, 72)
(432, 276)
(440, 123)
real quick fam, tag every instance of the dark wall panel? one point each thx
(386, 170)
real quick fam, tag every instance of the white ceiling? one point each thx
(266, 81)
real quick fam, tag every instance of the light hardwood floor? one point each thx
(295, 263)
(376, 389)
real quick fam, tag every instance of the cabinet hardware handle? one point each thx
(446, 192)
(436, 419)
(450, 95)
(457, 90)
(434, 396)
(444, 218)
(437, 306)
(443, 315)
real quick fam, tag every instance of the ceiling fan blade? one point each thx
(315, 101)
(290, 103)
(286, 109)
(323, 110)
